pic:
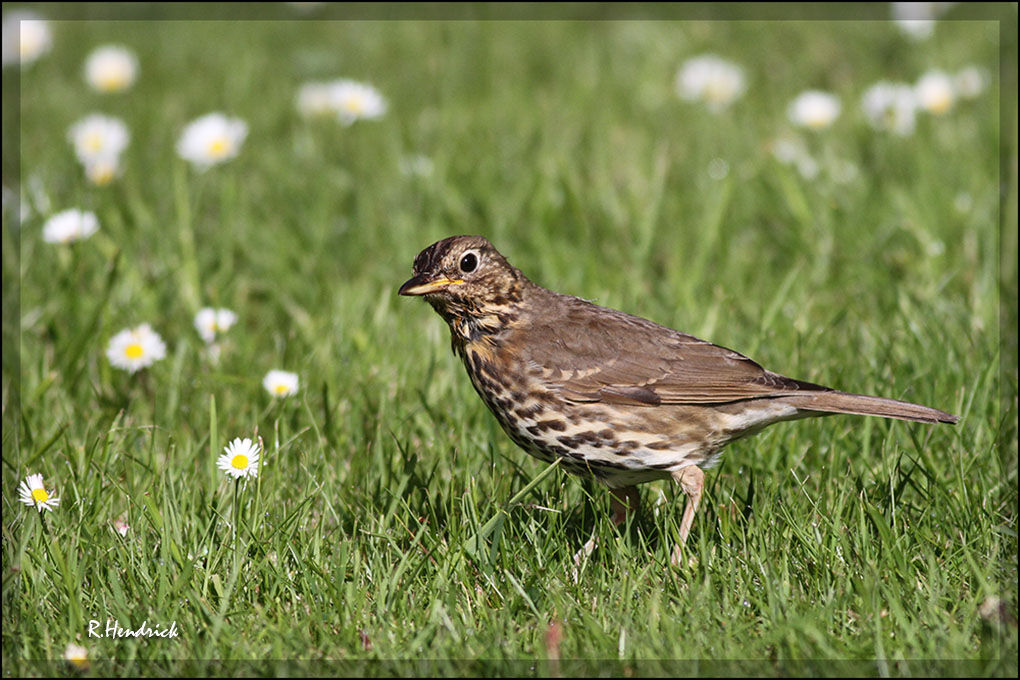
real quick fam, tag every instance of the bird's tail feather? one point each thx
(843, 402)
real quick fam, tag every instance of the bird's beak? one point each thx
(418, 285)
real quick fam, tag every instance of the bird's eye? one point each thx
(468, 263)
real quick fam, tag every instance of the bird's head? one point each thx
(464, 277)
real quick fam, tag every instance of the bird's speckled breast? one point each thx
(537, 420)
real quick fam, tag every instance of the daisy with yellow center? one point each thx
(77, 655)
(935, 92)
(314, 100)
(814, 109)
(136, 348)
(240, 459)
(26, 37)
(71, 225)
(111, 68)
(890, 106)
(209, 322)
(970, 81)
(710, 79)
(211, 139)
(281, 383)
(102, 171)
(98, 142)
(348, 100)
(98, 136)
(31, 492)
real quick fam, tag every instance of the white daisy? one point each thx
(281, 383)
(792, 151)
(111, 68)
(241, 459)
(935, 93)
(814, 109)
(70, 225)
(98, 137)
(917, 19)
(211, 321)
(211, 139)
(32, 492)
(26, 37)
(353, 101)
(135, 348)
(710, 79)
(102, 171)
(348, 100)
(890, 107)
(314, 99)
(969, 82)
(76, 655)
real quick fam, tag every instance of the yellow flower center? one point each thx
(112, 81)
(94, 141)
(134, 351)
(101, 175)
(218, 147)
(280, 389)
(355, 104)
(40, 495)
(240, 461)
(940, 103)
(718, 92)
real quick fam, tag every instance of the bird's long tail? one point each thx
(834, 401)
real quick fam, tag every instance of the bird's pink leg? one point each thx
(692, 480)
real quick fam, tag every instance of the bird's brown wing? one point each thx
(588, 353)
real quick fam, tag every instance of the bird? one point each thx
(611, 396)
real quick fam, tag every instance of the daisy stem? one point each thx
(258, 483)
(237, 514)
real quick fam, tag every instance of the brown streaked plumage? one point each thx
(612, 395)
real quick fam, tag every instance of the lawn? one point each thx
(393, 529)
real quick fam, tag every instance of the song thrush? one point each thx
(613, 396)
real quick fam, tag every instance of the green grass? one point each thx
(395, 529)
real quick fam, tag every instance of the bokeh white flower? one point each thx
(111, 68)
(916, 20)
(26, 37)
(31, 492)
(814, 109)
(121, 527)
(792, 151)
(313, 99)
(102, 171)
(70, 225)
(970, 81)
(281, 383)
(211, 139)
(76, 655)
(240, 459)
(711, 80)
(136, 348)
(348, 100)
(209, 322)
(98, 142)
(935, 93)
(890, 107)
